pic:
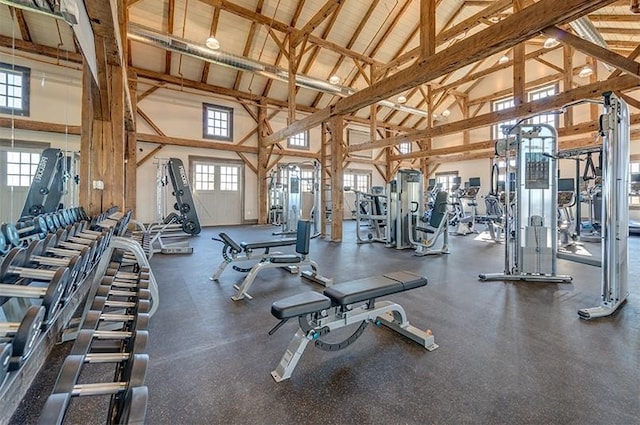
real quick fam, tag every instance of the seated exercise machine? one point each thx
(291, 261)
(232, 252)
(463, 202)
(531, 254)
(342, 305)
(436, 229)
(371, 213)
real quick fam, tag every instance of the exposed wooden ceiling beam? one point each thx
(502, 35)
(170, 20)
(329, 7)
(40, 49)
(547, 104)
(212, 32)
(242, 96)
(22, 23)
(23, 124)
(282, 27)
(594, 50)
(464, 26)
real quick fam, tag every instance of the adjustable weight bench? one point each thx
(291, 261)
(319, 314)
(232, 252)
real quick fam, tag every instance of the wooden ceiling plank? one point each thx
(22, 23)
(247, 44)
(212, 33)
(594, 50)
(502, 35)
(282, 27)
(325, 11)
(453, 32)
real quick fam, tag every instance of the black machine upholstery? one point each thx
(346, 293)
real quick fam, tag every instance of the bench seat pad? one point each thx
(373, 287)
(248, 246)
(299, 305)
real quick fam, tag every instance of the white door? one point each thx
(218, 189)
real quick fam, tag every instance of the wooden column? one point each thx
(337, 177)
(294, 60)
(567, 80)
(263, 164)
(102, 141)
(131, 152)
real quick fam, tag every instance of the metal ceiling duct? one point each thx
(585, 29)
(168, 42)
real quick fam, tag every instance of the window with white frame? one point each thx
(306, 180)
(14, 89)
(551, 119)
(500, 105)
(446, 180)
(218, 122)
(229, 178)
(404, 148)
(358, 180)
(205, 177)
(21, 167)
(299, 141)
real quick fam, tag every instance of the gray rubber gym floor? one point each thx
(509, 352)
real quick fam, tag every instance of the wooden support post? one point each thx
(294, 60)
(337, 176)
(567, 80)
(324, 202)
(102, 141)
(131, 167)
(263, 166)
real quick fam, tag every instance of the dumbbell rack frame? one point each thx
(17, 384)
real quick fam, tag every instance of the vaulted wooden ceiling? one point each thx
(360, 42)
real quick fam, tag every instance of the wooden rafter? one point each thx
(171, 12)
(248, 43)
(328, 9)
(22, 23)
(212, 32)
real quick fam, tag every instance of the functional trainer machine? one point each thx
(342, 305)
(531, 254)
(47, 185)
(614, 129)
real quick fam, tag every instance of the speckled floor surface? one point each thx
(509, 353)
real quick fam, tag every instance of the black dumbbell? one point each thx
(76, 264)
(22, 335)
(12, 268)
(10, 233)
(32, 226)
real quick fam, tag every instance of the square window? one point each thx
(299, 141)
(14, 89)
(218, 122)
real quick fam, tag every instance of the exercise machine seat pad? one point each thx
(299, 305)
(425, 229)
(248, 246)
(373, 287)
(285, 259)
(230, 242)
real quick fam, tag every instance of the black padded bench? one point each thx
(316, 320)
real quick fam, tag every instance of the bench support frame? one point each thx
(385, 313)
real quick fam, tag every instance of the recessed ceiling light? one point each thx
(550, 43)
(212, 43)
(334, 79)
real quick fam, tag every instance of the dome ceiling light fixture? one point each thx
(503, 59)
(585, 72)
(402, 99)
(334, 79)
(550, 43)
(212, 43)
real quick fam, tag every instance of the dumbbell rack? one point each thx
(16, 385)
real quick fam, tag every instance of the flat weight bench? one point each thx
(291, 261)
(232, 252)
(313, 311)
